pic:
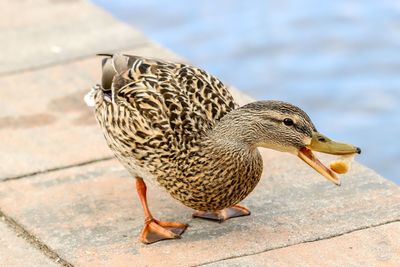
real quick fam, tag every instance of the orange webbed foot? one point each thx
(223, 215)
(155, 230)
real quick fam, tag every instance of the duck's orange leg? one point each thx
(155, 230)
(223, 215)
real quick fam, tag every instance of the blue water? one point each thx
(338, 60)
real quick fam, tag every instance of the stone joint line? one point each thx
(303, 242)
(84, 163)
(33, 240)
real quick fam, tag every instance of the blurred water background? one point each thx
(338, 60)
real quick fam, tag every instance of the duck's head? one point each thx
(284, 127)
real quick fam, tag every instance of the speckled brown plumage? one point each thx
(156, 119)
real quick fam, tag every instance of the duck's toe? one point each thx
(223, 215)
(155, 231)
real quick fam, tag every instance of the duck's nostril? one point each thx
(358, 150)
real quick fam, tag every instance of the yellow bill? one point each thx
(323, 144)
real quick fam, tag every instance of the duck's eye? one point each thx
(288, 122)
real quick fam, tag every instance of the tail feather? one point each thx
(112, 65)
(104, 55)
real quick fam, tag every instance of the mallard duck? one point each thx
(179, 126)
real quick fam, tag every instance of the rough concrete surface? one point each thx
(36, 33)
(378, 246)
(16, 252)
(90, 214)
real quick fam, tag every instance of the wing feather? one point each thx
(177, 99)
(158, 110)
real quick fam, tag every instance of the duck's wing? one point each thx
(174, 99)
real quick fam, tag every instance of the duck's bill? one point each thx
(323, 144)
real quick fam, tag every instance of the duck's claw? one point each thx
(155, 230)
(223, 215)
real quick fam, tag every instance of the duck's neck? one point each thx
(237, 130)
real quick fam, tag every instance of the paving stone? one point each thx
(36, 33)
(377, 246)
(90, 215)
(16, 252)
